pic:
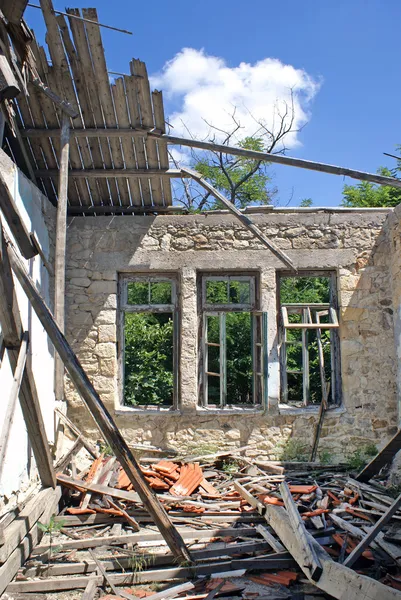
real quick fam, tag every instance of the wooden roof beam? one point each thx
(235, 151)
(101, 173)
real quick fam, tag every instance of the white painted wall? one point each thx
(39, 215)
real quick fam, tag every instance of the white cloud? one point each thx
(198, 88)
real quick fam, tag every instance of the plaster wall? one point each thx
(19, 472)
(354, 244)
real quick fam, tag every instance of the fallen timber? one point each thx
(302, 525)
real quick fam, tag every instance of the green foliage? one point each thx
(358, 459)
(292, 450)
(148, 359)
(244, 180)
(306, 202)
(230, 466)
(52, 527)
(325, 457)
(304, 289)
(366, 194)
(201, 448)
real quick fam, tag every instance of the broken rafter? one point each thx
(97, 409)
(252, 154)
(241, 217)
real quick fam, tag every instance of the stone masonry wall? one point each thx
(355, 244)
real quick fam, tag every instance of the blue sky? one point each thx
(350, 46)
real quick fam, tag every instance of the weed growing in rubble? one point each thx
(138, 562)
(292, 450)
(325, 457)
(358, 459)
(230, 466)
(51, 528)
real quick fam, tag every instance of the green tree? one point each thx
(242, 180)
(366, 194)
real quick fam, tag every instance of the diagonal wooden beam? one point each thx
(28, 396)
(99, 412)
(246, 221)
(300, 163)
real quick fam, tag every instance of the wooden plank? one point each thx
(28, 396)
(138, 68)
(173, 591)
(20, 527)
(259, 506)
(60, 249)
(383, 458)
(150, 576)
(372, 534)
(76, 92)
(13, 11)
(280, 159)
(104, 94)
(9, 87)
(107, 579)
(86, 443)
(63, 461)
(98, 411)
(13, 398)
(121, 561)
(97, 488)
(336, 580)
(14, 221)
(152, 536)
(90, 589)
(91, 112)
(246, 221)
(118, 173)
(120, 103)
(160, 124)
(65, 106)
(10, 568)
(270, 539)
(309, 558)
(33, 148)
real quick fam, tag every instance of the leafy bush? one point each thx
(148, 366)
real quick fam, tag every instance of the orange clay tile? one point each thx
(190, 478)
(302, 489)
(270, 500)
(315, 513)
(80, 511)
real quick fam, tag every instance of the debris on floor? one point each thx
(254, 531)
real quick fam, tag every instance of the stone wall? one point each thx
(355, 244)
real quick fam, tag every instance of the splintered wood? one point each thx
(249, 530)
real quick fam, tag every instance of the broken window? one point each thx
(149, 340)
(309, 341)
(234, 368)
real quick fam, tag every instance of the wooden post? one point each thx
(246, 221)
(98, 411)
(61, 239)
(14, 393)
(10, 320)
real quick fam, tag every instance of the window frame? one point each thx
(259, 340)
(333, 326)
(124, 307)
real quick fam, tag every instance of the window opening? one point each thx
(149, 339)
(234, 334)
(309, 341)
